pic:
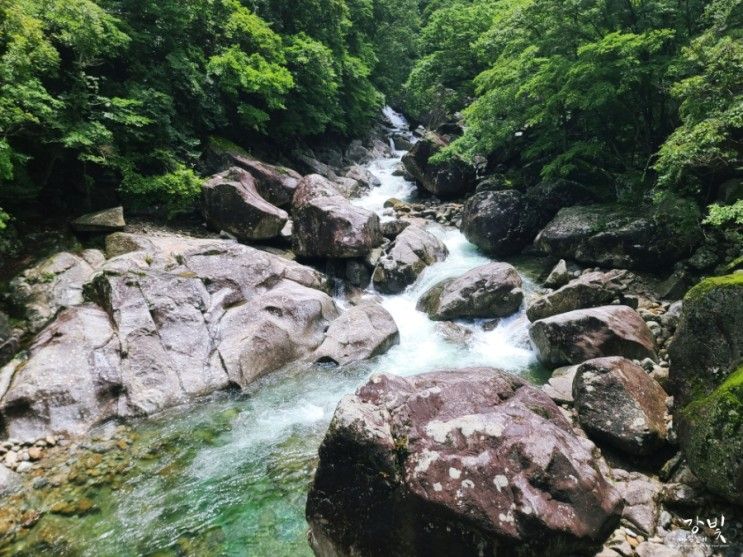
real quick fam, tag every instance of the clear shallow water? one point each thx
(229, 476)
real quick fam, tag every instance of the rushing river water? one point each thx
(230, 476)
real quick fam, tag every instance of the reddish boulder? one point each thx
(620, 404)
(584, 334)
(276, 184)
(466, 462)
(327, 225)
(232, 203)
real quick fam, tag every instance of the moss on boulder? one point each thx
(709, 340)
(711, 434)
(706, 378)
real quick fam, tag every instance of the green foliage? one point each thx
(441, 80)
(127, 91)
(590, 90)
(710, 93)
(578, 87)
(721, 215)
(175, 191)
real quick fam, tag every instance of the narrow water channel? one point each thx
(230, 476)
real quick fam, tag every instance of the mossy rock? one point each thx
(711, 434)
(708, 343)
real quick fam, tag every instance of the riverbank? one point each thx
(229, 473)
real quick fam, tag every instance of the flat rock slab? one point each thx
(108, 220)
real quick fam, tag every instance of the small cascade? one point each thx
(230, 476)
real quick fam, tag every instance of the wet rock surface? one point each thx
(456, 463)
(413, 250)
(450, 179)
(492, 290)
(171, 319)
(584, 334)
(362, 332)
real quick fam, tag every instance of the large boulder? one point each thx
(708, 343)
(453, 178)
(502, 221)
(275, 184)
(588, 290)
(363, 176)
(492, 290)
(605, 235)
(108, 220)
(499, 222)
(232, 204)
(55, 283)
(620, 404)
(584, 334)
(413, 250)
(710, 432)
(465, 462)
(168, 319)
(361, 333)
(706, 379)
(327, 225)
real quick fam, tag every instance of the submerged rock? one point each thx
(169, 319)
(413, 250)
(620, 404)
(108, 220)
(706, 379)
(492, 290)
(232, 204)
(464, 462)
(584, 334)
(327, 225)
(453, 178)
(588, 290)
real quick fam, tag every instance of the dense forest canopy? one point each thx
(641, 98)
